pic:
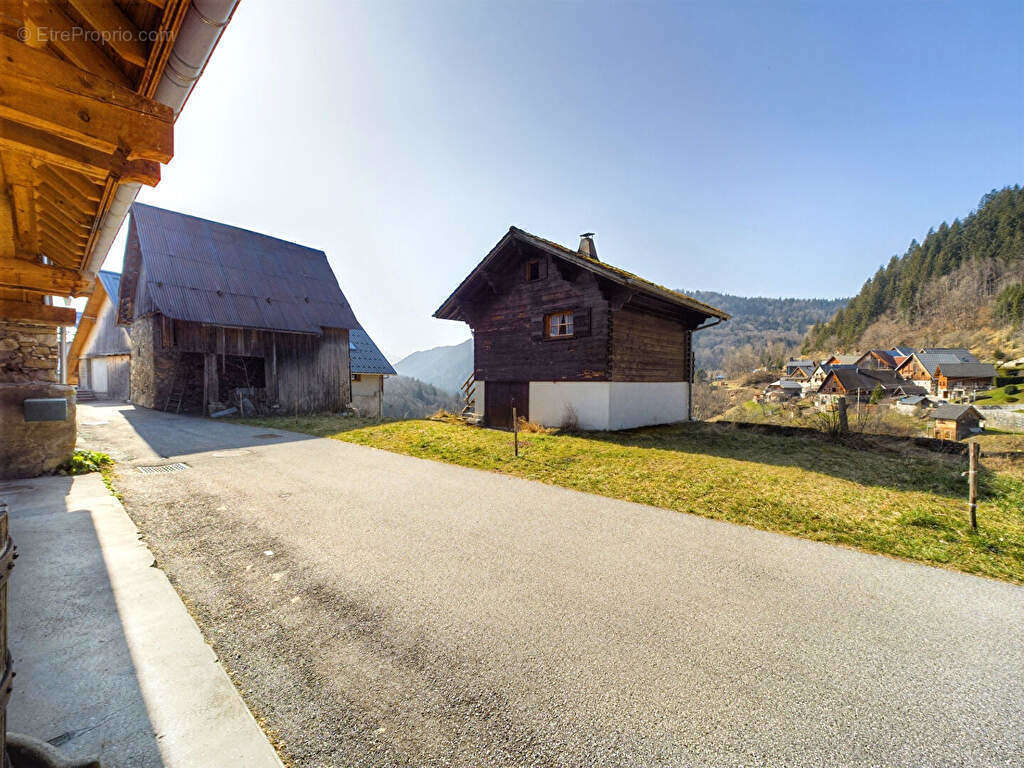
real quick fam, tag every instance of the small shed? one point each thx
(955, 422)
(369, 367)
(100, 356)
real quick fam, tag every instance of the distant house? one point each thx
(100, 358)
(955, 422)
(858, 384)
(567, 338)
(842, 359)
(369, 367)
(914, 403)
(922, 368)
(800, 368)
(953, 379)
(782, 390)
(899, 354)
(876, 358)
(217, 313)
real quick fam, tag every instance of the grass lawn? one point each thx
(999, 396)
(911, 505)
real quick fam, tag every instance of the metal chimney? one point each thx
(587, 248)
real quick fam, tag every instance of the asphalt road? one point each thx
(381, 610)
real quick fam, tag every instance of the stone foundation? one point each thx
(28, 352)
(29, 449)
(28, 369)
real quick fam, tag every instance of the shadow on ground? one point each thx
(76, 687)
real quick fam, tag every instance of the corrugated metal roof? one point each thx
(111, 284)
(365, 356)
(206, 272)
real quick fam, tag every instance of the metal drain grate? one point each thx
(162, 469)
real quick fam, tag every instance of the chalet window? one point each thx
(357, 377)
(558, 325)
(532, 270)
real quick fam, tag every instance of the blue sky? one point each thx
(781, 149)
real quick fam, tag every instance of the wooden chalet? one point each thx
(877, 359)
(218, 313)
(89, 102)
(964, 372)
(100, 356)
(569, 339)
(858, 384)
(955, 422)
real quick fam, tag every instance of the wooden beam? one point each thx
(72, 185)
(42, 278)
(65, 35)
(42, 91)
(89, 162)
(25, 222)
(106, 17)
(43, 314)
(59, 206)
(73, 207)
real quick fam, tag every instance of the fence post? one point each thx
(974, 451)
(515, 429)
(844, 424)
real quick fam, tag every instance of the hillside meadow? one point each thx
(911, 504)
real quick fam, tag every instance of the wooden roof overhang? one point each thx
(620, 287)
(77, 119)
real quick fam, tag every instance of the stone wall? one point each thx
(28, 353)
(28, 449)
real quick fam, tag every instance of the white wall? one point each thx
(642, 403)
(609, 404)
(366, 394)
(550, 400)
(478, 398)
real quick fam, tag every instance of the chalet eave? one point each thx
(450, 310)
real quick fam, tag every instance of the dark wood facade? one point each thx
(618, 335)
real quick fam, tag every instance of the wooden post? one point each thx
(974, 451)
(515, 429)
(844, 424)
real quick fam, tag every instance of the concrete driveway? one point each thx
(381, 610)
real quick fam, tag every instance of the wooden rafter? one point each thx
(32, 276)
(43, 92)
(38, 313)
(68, 182)
(124, 37)
(67, 154)
(63, 35)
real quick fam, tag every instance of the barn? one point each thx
(571, 340)
(100, 356)
(217, 314)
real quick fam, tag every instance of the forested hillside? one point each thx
(406, 398)
(444, 367)
(759, 328)
(962, 285)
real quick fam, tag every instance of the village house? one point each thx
(955, 422)
(566, 338)
(800, 368)
(369, 368)
(842, 359)
(912, 404)
(100, 354)
(218, 314)
(965, 373)
(782, 390)
(877, 359)
(859, 384)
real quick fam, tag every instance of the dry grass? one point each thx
(910, 505)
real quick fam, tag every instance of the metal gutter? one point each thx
(200, 32)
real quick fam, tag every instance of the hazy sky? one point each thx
(781, 149)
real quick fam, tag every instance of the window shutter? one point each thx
(581, 321)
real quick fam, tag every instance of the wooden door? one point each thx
(499, 397)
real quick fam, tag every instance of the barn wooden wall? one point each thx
(304, 372)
